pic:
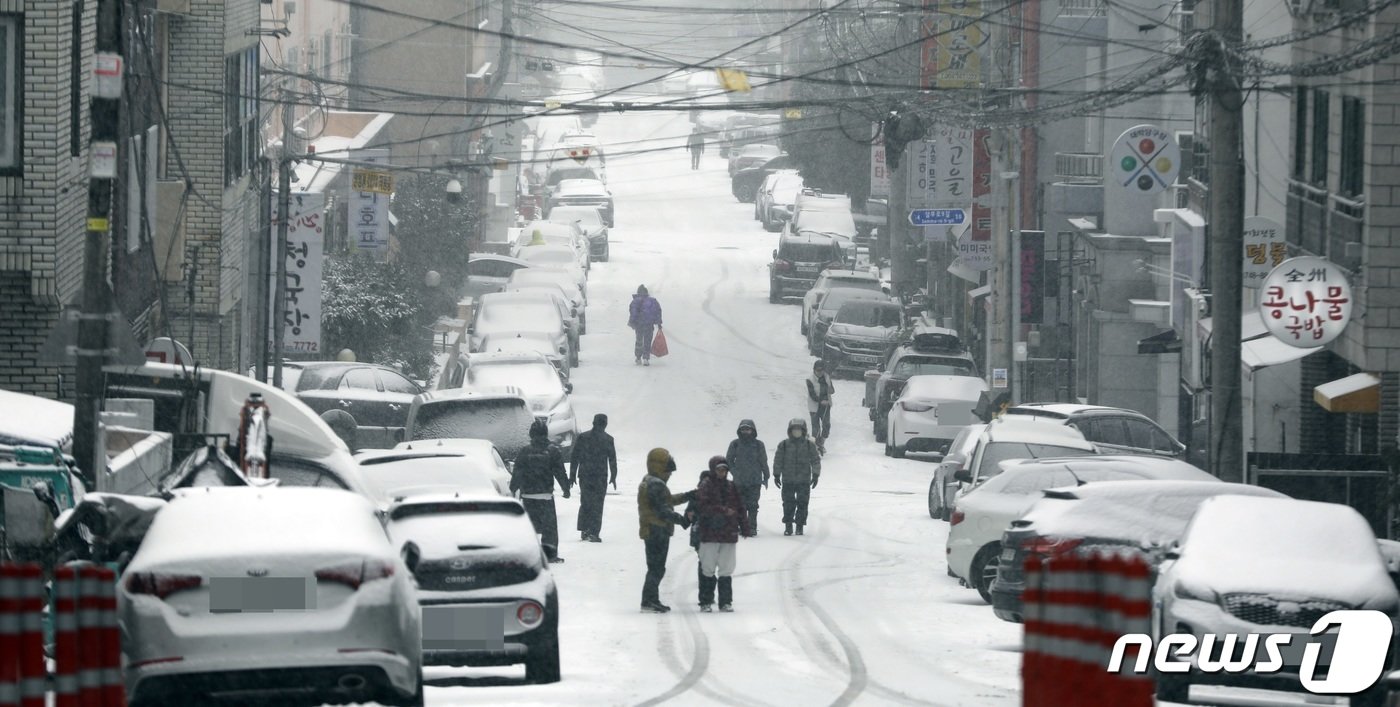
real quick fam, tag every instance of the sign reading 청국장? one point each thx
(301, 332)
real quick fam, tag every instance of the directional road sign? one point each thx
(937, 217)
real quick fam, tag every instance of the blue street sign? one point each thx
(937, 217)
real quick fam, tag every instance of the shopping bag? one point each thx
(658, 344)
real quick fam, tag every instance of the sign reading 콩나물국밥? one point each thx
(1144, 160)
(1306, 302)
(1265, 246)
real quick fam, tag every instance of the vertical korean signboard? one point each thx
(302, 290)
(951, 57)
(879, 169)
(1032, 272)
(981, 185)
(370, 190)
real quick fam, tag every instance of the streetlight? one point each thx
(453, 190)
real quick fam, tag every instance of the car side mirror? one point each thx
(44, 492)
(963, 476)
(569, 388)
(775, 254)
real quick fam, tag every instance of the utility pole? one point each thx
(284, 206)
(92, 349)
(262, 259)
(1226, 242)
(897, 243)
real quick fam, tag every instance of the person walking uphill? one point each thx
(696, 144)
(593, 458)
(644, 316)
(797, 464)
(536, 469)
(748, 465)
(658, 521)
(819, 390)
(721, 517)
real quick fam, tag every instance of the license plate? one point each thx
(231, 595)
(807, 268)
(1008, 554)
(464, 627)
(865, 359)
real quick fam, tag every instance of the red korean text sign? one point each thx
(1306, 302)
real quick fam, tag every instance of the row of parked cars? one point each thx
(1227, 558)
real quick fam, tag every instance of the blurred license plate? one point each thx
(865, 359)
(260, 594)
(807, 268)
(1008, 554)
(464, 627)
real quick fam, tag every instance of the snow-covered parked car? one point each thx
(583, 192)
(252, 594)
(862, 335)
(402, 472)
(751, 156)
(550, 233)
(578, 296)
(504, 316)
(486, 591)
(983, 514)
(826, 309)
(539, 382)
(773, 203)
(487, 273)
(943, 487)
(375, 397)
(559, 258)
(831, 279)
(1267, 565)
(1141, 515)
(554, 295)
(930, 412)
(1116, 429)
(589, 220)
(501, 417)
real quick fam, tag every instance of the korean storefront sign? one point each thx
(1306, 302)
(302, 289)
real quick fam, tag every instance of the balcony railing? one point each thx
(1082, 8)
(1079, 166)
(1326, 224)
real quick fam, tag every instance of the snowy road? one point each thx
(858, 611)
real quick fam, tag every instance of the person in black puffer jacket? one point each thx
(797, 465)
(536, 469)
(748, 465)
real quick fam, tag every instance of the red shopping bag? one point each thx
(658, 344)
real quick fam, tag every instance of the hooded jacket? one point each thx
(747, 457)
(797, 460)
(720, 514)
(644, 311)
(654, 499)
(537, 467)
(594, 452)
(819, 388)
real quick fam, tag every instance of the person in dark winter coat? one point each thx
(721, 518)
(797, 464)
(748, 465)
(819, 390)
(536, 469)
(593, 458)
(658, 521)
(696, 144)
(644, 316)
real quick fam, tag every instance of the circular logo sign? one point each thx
(1306, 302)
(1146, 160)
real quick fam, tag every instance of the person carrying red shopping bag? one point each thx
(644, 316)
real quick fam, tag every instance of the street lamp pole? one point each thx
(284, 204)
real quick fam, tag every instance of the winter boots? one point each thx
(787, 528)
(799, 528)
(707, 592)
(726, 593)
(654, 607)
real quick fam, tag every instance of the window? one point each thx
(11, 74)
(241, 148)
(395, 383)
(1300, 132)
(1162, 443)
(1322, 104)
(360, 379)
(1140, 434)
(1110, 431)
(1351, 182)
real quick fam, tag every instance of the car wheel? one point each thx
(880, 429)
(772, 226)
(1173, 687)
(935, 508)
(802, 327)
(774, 294)
(984, 570)
(889, 449)
(898, 451)
(542, 663)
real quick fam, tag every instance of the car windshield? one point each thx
(389, 480)
(508, 508)
(853, 283)
(570, 214)
(839, 223)
(839, 297)
(532, 377)
(504, 421)
(317, 378)
(911, 366)
(294, 472)
(809, 252)
(559, 175)
(759, 151)
(874, 314)
(997, 452)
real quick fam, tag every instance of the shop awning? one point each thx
(1163, 342)
(1358, 393)
(1268, 350)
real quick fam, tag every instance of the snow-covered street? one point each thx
(860, 610)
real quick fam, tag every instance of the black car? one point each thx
(862, 335)
(745, 182)
(376, 398)
(501, 416)
(797, 262)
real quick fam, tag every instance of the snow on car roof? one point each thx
(396, 475)
(488, 535)
(547, 228)
(465, 445)
(1284, 547)
(837, 296)
(30, 419)
(580, 186)
(227, 522)
(1034, 431)
(1156, 468)
(452, 394)
(1143, 512)
(944, 388)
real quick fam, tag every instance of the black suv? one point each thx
(929, 351)
(797, 262)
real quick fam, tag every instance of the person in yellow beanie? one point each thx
(658, 522)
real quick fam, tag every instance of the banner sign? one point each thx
(301, 291)
(1032, 277)
(1306, 302)
(950, 56)
(369, 208)
(1144, 160)
(940, 173)
(981, 185)
(879, 170)
(1265, 247)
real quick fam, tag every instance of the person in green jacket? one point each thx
(658, 521)
(797, 464)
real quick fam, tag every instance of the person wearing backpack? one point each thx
(797, 464)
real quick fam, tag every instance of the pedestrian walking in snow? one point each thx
(696, 144)
(797, 464)
(644, 316)
(819, 390)
(721, 518)
(537, 468)
(748, 465)
(594, 456)
(658, 521)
